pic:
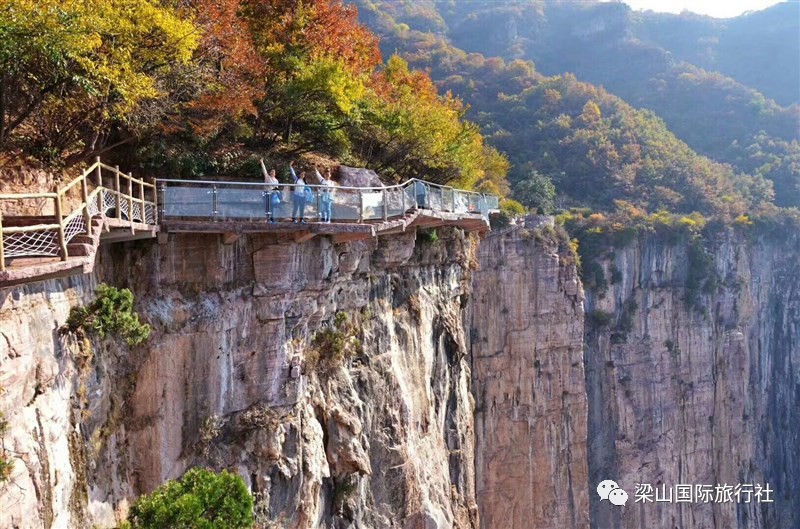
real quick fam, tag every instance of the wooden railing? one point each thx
(115, 195)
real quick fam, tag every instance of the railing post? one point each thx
(385, 207)
(155, 201)
(2, 249)
(99, 175)
(130, 201)
(214, 202)
(404, 200)
(101, 198)
(360, 206)
(62, 241)
(163, 199)
(319, 204)
(141, 197)
(117, 200)
(87, 219)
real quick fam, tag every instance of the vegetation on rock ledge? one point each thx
(110, 312)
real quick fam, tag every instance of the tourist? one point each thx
(273, 192)
(298, 195)
(326, 195)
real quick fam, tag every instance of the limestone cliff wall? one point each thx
(676, 374)
(693, 366)
(382, 440)
(526, 329)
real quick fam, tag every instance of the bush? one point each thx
(335, 344)
(201, 499)
(600, 318)
(429, 236)
(110, 312)
(512, 208)
(6, 465)
(537, 192)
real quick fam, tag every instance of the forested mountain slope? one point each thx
(637, 56)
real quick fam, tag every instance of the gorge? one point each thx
(485, 387)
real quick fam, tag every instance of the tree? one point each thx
(201, 499)
(71, 68)
(408, 129)
(536, 192)
(111, 311)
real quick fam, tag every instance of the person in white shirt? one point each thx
(326, 197)
(298, 195)
(273, 193)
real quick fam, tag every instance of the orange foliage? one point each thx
(310, 29)
(248, 44)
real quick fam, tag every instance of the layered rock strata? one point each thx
(526, 329)
(229, 379)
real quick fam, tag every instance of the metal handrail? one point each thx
(405, 184)
(207, 202)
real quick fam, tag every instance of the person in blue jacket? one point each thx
(298, 195)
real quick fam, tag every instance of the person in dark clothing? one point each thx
(421, 191)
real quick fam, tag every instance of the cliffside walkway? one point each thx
(105, 205)
(62, 235)
(234, 208)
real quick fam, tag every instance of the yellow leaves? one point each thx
(116, 46)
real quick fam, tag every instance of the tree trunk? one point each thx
(3, 109)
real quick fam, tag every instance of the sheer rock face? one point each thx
(675, 394)
(385, 440)
(529, 384)
(698, 395)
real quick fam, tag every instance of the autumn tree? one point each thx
(411, 130)
(72, 68)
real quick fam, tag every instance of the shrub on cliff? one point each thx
(334, 345)
(201, 499)
(110, 312)
(6, 465)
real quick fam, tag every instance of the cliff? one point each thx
(475, 384)
(232, 377)
(526, 329)
(693, 363)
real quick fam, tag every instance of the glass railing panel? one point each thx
(188, 202)
(346, 205)
(394, 201)
(241, 203)
(411, 199)
(373, 205)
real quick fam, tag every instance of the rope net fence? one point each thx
(28, 236)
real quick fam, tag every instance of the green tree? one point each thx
(537, 192)
(201, 499)
(111, 311)
(70, 68)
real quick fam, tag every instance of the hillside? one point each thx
(636, 56)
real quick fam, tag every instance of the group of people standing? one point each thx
(302, 193)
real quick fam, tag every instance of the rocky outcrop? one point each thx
(231, 378)
(693, 362)
(526, 329)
